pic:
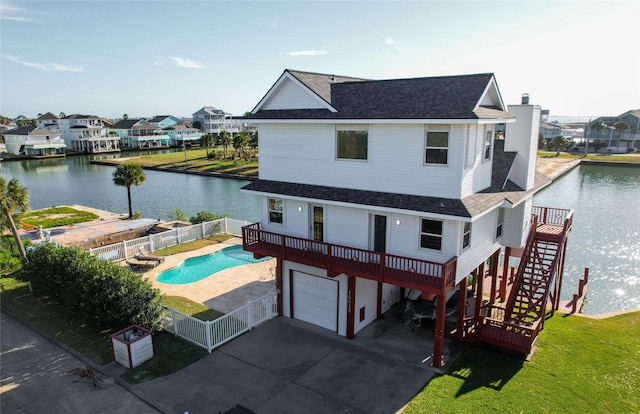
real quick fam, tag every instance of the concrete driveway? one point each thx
(34, 378)
(287, 366)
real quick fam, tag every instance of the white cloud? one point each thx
(307, 52)
(390, 41)
(274, 23)
(187, 63)
(13, 13)
(47, 67)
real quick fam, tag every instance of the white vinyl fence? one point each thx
(128, 248)
(211, 334)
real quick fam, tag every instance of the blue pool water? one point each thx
(198, 268)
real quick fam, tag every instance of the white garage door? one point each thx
(315, 300)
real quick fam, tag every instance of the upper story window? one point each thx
(466, 235)
(352, 142)
(431, 234)
(275, 210)
(437, 147)
(499, 223)
(488, 141)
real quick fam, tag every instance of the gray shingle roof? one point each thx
(23, 130)
(442, 97)
(125, 124)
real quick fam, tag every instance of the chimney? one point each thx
(525, 99)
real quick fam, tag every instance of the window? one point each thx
(431, 234)
(499, 223)
(437, 147)
(275, 210)
(466, 235)
(488, 140)
(352, 142)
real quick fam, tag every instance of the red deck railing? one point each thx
(336, 259)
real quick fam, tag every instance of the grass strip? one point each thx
(582, 365)
(193, 245)
(56, 217)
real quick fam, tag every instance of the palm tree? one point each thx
(240, 142)
(224, 139)
(13, 196)
(559, 142)
(621, 126)
(598, 125)
(126, 175)
(207, 141)
(125, 116)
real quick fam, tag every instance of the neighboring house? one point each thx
(615, 138)
(164, 121)
(87, 133)
(48, 121)
(34, 142)
(371, 188)
(214, 121)
(138, 133)
(183, 135)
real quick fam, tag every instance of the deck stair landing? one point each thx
(539, 275)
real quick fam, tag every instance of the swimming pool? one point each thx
(198, 268)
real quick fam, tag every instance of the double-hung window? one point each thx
(466, 235)
(499, 223)
(437, 147)
(275, 210)
(431, 234)
(488, 141)
(352, 142)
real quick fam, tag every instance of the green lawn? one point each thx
(196, 160)
(582, 365)
(193, 245)
(55, 217)
(593, 157)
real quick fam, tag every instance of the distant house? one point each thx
(629, 138)
(214, 121)
(372, 188)
(138, 133)
(34, 142)
(86, 133)
(164, 121)
(183, 135)
(48, 120)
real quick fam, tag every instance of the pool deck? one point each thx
(224, 291)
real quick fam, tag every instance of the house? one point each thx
(371, 189)
(183, 135)
(628, 138)
(214, 121)
(47, 121)
(86, 133)
(164, 121)
(34, 142)
(138, 133)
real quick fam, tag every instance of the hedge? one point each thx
(96, 291)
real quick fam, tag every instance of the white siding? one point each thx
(516, 224)
(522, 136)
(483, 244)
(405, 239)
(395, 164)
(292, 96)
(390, 296)
(478, 177)
(347, 226)
(367, 298)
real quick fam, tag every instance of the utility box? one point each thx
(132, 346)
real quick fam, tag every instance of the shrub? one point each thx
(204, 216)
(9, 262)
(97, 291)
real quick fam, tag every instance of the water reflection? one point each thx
(73, 180)
(605, 235)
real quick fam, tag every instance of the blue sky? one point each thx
(143, 58)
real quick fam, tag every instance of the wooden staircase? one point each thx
(516, 326)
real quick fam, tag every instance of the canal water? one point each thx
(605, 236)
(74, 180)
